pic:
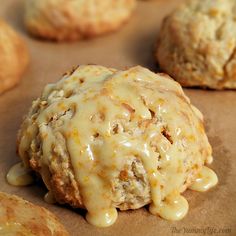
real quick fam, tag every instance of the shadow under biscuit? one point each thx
(221, 165)
(146, 27)
(221, 155)
(142, 50)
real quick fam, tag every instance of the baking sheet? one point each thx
(211, 213)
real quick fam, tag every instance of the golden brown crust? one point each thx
(58, 177)
(72, 20)
(20, 217)
(13, 57)
(197, 44)
(66, 191)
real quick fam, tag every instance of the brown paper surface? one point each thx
(132, 45)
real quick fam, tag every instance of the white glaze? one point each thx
(174, 207)
(205, 180)
(19, 175)
(49, 198)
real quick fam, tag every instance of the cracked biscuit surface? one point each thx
(103, 138)
(20, 217)
(197, 44)
(75, 19)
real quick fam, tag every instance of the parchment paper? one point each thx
(211, 213)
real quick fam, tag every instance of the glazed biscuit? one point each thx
(103, 139)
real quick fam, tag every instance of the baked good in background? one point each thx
(14, 57)
(75, 19)
(103, 139)
(20, 217)
(197, 42)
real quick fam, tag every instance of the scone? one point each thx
(20, 217)
(75, 19)
(103, 139)
(197, 44)
(13, 57)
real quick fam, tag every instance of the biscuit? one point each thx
(14, 57)
(20, 217)
(75, 19)
(103, 139)
(197, 44)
